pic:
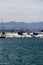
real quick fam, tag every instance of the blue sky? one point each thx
(21, 10)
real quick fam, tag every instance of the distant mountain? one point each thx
(21, 25)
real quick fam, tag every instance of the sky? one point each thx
(21, 10)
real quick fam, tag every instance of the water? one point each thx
(21, 51)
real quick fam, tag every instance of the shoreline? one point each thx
(21, 34)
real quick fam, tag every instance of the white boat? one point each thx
(25, 35)
(12, 35)
(16, 35)
(39, 35)
(8, 35)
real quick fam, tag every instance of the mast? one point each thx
(2, 26)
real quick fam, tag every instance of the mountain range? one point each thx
(21, 25)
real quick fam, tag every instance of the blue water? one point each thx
(21, 51)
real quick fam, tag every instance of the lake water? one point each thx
(21, 51)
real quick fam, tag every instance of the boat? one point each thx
(2, 36)
(31, 34)
(39, 36)
(3, 33)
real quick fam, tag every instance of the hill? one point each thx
(21, 25)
